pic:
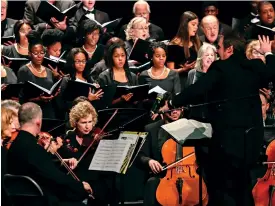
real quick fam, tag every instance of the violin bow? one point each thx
(97, 136)
(172, 164)
(67, 166)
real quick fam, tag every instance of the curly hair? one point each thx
(7, 116)
(51, 36)
(249, 48)
(82, 110)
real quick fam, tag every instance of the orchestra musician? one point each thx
(233, 152)
(150, 158)
(25, 156)
(83, 119)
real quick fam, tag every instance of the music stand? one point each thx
(130, 119)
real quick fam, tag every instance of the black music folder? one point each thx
(46, 11)
(54, 62)
(16, 63)
(12, 90)
(140, 68)
(6, 39)
(176, 54)
(32, 90)
(140, 92)
(262, 30)
(140, 51)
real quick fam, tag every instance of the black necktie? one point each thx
(90, 12)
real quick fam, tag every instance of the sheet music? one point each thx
(110, 155)
(184, 129)
(157, 89)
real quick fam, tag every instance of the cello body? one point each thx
(180, 186)
(264, 190)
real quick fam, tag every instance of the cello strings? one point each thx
(172, 164)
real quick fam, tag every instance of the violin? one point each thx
(8, 143)
(263, 191)
(180, 186)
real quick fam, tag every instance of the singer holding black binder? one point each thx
(234, 83)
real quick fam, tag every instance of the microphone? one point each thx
(156, 104)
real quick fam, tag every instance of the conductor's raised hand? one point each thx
(265, 44)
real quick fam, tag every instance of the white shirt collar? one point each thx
(86, 9)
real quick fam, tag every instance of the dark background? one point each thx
(166, 15)
(163, 13)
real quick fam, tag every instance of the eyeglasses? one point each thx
(79, 62)
(42, 53)
(142, 28)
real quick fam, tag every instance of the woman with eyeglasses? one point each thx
(77, 69)
(138, 28)
(89, 35)
(38, 74)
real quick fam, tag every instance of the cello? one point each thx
(264, 190)
(180, 186)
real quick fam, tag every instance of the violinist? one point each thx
(150, 158)
(7, 127)
(83, 119)
(25, 157)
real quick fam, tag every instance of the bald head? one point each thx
(210, 27)
(29, 112)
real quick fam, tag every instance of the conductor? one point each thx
(232, 85)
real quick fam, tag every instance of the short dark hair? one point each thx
(155, 45)
(51, 36)
(206, 4)
(17, 26)
(79, 99)
(87, 26)
(261, 3)
(232, 39)
(28, 111)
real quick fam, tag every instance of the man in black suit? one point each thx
(142, 9)
(26, 157)
(86, 7)
(6, 23)
(31, 8)
(234, 148)
(150, 158)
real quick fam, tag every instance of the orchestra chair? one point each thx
(23, 191)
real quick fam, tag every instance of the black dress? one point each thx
(181, 59)
(25, 74)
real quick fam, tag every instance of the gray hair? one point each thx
(140, 2)
(10, 104)
(28, 112)
(201, 52)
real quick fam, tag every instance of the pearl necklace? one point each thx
(90, 53)
(25, 48)
(41, 70)
(151, 73)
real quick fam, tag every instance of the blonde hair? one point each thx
(201, 52)
(82, 110)
(7, 116)
(250, 47)
(129, 30)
